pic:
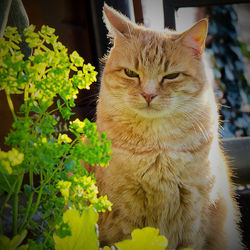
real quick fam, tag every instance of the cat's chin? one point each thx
(149, 112)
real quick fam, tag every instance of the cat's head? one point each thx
(153, 73)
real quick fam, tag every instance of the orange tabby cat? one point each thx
(167, 169)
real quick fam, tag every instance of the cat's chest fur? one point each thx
(166, 169)
(155, 189)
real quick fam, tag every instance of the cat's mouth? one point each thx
(149, 111)
(149, 108)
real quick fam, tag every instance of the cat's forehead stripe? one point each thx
(136, 63)
(153, 54)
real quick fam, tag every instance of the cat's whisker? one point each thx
(224, 106)
(88, 100)
(194, 119)
(188, 117)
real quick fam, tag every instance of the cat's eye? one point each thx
(171, 76)
(130, 73)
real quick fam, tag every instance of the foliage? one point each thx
(82, 234)
(6, 243)
(153, 242)
(37, 148)
(61, 209)
(82, 231)
(227, 52)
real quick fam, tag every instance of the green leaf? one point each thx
(23, 247)
(27, 189)
(146, 239)
(244, 49)
(69, 164)
(83, 230)
(63, 230)
(47, 30)
(6, 182)
(76, 59)
(107, 248)
(34, 245)
(6, 243)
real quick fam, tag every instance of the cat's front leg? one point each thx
(224, 232)
(114, 226)
(195, 241)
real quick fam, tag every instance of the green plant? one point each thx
(60, 210)
(142, 239)
(37, 148)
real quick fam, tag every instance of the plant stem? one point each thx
(6, 180)
(8, 197)
(48, 235)
(26, 98)
(60, 165)
(26, 94)
(56, 109)
(21, 228)
(4, 203)
(29, 217)
(15, 203)
(10, 103)
(28, 214)
(51, 230)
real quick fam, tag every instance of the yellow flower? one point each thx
(64, 187)
(44, 140)
(63, 138)
(6, 166)
(10, 159)
(78, 125)
(15, 157)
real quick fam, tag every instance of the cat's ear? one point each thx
(116, 23)
(195, 37)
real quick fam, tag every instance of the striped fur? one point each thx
(167, 169)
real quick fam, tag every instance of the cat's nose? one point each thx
(148, 96)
